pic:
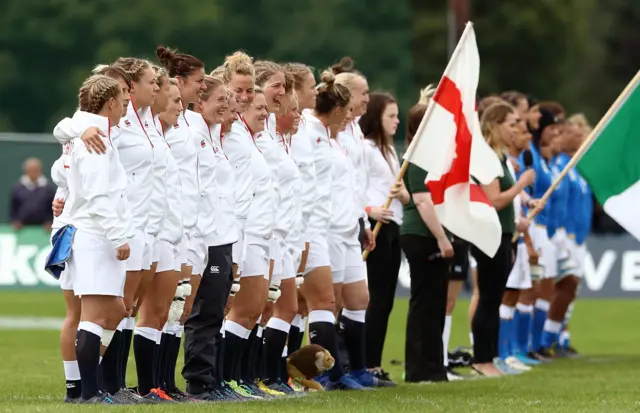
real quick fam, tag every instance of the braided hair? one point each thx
(96, 91)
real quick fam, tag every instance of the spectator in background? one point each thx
(31, 197)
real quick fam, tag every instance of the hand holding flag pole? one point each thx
(448, 128)
(584, 147)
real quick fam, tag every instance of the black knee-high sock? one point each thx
(258, 348)
(282, 369)
(176, 340)
(127, 338)
(354, 339)
(88, 355)
(275, 339)
(144, 352)
(322, 332)
(166, 344)
(249, 357)
(296, 335)
(157, 364)
(110, 367)
(233, 351)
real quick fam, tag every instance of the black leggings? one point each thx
(492, 279)
(427, 308)
(383, 266)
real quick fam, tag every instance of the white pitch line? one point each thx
(30, 323)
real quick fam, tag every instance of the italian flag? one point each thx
(611, 165)
(450, 147)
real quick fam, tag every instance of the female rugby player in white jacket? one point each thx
(189, 71)
(249, 301)
(136, 155)
(289, 218)
(69, 328)
(97, 207)
(168, 252)
(301, 148)
(272, 79)
(218, 231)
(330, 109)
(352, 138)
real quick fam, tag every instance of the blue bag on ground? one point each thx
(61, 251)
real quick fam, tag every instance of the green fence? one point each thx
(22, 257)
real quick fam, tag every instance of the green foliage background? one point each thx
(580, 52)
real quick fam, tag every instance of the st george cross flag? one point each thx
(450, 147)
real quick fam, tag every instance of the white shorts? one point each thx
(255, 257)
(165, 254)
(197, 255)
(93, 267)
(236, 249)
(66, 282)
(276, 254)
(149, 251)
(289, 267)
(520, 276)
(183, 252)
(546, 250)
(577, 253)
(346, 259)
(318, 254)
(139, 258)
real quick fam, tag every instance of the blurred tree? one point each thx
(553, 49)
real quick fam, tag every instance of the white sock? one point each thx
(71, 370)
(551, 326)
(471, 339)
(506, 312)
(446, 335)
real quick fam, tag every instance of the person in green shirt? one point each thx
(428, 250)
(499, 126)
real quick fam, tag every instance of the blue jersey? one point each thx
(583, 224)
(574, 206)
(560, 196)
(541, 184)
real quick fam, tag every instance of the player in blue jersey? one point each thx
(561, 222)
(539, 297)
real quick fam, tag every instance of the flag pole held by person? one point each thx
(614, 125)
(434, 154)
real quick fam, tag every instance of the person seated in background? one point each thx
(31, 197)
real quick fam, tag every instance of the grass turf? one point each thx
(606, 379)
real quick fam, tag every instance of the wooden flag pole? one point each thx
(413, 144)
(585, 145)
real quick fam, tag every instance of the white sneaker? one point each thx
(452, 376)
(514, 363)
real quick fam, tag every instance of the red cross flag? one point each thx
(450, 147)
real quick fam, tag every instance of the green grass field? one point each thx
(606, 379)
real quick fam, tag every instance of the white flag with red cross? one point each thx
(450, 147)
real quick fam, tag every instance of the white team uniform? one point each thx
(158, 199)
(98, 207)
(319, 218)
(520, 275)
(216, 220)
(185, 155)
(167, 248)
(236, 145)
(301, 150)
(285, 175)
(353, 141)
(344, 246)
(59, 177)
(258, 228)
(136, 154)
